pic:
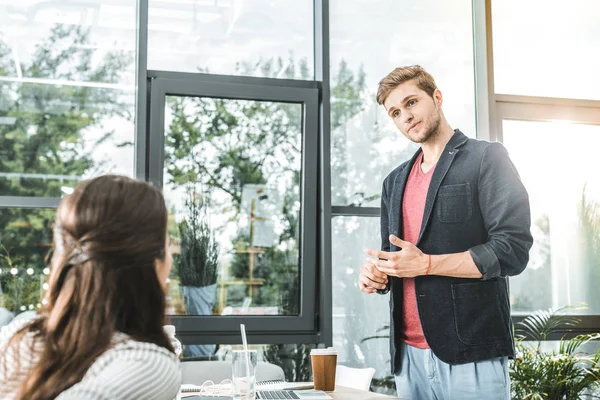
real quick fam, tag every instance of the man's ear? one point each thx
(437, 97)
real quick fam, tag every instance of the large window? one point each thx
(232, 178)
(249, 37)
(360, 321)
(557, 162)
(66, 94)
(546, 48)
(550, 127)
(368, 40)
(237, 159)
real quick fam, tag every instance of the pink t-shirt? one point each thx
(413, 208)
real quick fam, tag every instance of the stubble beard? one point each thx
(432, 132)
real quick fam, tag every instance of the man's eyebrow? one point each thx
(404, 100)
(408, 98)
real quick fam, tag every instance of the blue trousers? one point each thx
(423, 376)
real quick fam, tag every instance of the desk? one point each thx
(340, 393)
(344, 393)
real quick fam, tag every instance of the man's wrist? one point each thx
(427, 263)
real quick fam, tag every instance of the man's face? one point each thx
(414, 112)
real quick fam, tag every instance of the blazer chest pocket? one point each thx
(454, 203)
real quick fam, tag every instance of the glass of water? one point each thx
(244, 374)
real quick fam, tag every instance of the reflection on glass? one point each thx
(558, 164)
(232, 181)
(66, 95)
(236, 37)
(368, 40)
(356, 315)
(25, 245)
(565, 39)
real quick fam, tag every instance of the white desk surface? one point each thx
(344, 393)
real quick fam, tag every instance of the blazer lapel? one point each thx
(396, 199)
(441, 169)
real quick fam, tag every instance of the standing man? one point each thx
(454, 225)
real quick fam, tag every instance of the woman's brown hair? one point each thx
(109, 233)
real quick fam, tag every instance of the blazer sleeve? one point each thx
(384, 229)
(504, 204)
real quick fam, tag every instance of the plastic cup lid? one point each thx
(324, 352)
(169, 330)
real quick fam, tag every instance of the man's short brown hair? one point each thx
(422, 78)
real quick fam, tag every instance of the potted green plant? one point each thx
(564, 374)
(197, 264)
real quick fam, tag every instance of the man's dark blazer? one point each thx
(475, 202)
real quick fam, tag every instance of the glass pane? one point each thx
(263, 38)
(232, 180)
(359, 317)
(368, 40)
(558, 164)
(66, 94)
(25, 244)
(566, 59)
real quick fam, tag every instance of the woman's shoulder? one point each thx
(126, 351)
(129, 370)
(17, 359)
(8, 331)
